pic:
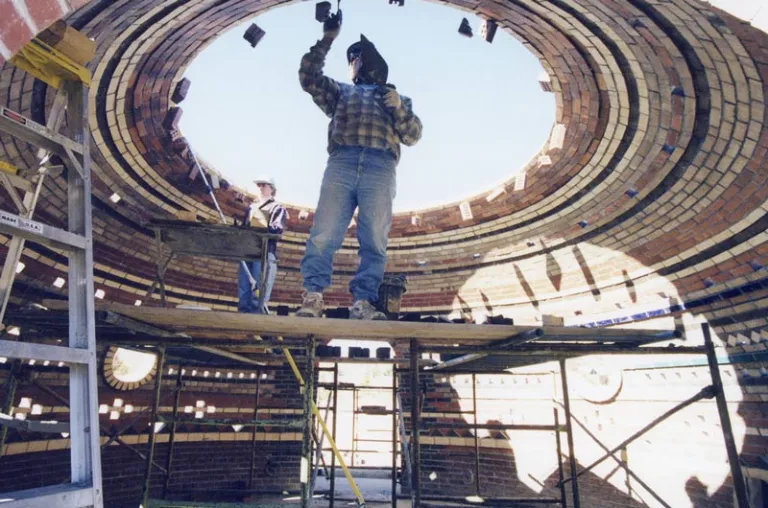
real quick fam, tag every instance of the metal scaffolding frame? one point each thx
(305, 423)
(73, 82)
(522, 346)
(398, 438)
(475, 426)
(561, 354)
(174, 420)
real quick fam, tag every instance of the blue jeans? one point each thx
(355, 177)
(247, 301)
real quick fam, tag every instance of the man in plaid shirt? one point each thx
(369, 120)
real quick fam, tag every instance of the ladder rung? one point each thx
(38, 232)
(39, 135)
(71, 495)
(30, 351)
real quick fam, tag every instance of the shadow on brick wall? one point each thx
(449, 466)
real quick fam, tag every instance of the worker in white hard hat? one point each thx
(267, 213)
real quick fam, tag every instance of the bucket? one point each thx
(390, 292)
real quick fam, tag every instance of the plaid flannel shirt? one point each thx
(357, 113)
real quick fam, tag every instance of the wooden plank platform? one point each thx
(203, 323)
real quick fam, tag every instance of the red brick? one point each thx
(13, 29)
(44, 13)
(76, 4)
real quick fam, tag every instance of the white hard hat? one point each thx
(266, 179)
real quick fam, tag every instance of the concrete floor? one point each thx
(375, 486)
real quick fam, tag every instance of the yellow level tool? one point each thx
(49, 65)
(316, 412)
(7, 168)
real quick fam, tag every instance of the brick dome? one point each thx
(658, 170)
(654, 202)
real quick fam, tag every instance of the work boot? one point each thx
(362, 309)
(312, 305)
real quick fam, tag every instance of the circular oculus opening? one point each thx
(484, 113)
(127, 369)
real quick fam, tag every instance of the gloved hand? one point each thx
(332, 26)
(392, 99)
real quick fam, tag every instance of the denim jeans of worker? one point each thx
(355, 177)
(247, 301)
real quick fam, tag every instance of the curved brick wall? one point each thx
(665, 99)
(646, 107)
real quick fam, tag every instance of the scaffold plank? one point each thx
(207, 321)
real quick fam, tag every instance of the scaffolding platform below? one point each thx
(211, 324)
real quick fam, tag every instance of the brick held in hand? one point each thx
(322, 11)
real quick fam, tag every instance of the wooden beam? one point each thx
(135, 326)
(400, 331)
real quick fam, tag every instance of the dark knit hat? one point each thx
(374, 70)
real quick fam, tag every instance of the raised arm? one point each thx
(324, 90)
